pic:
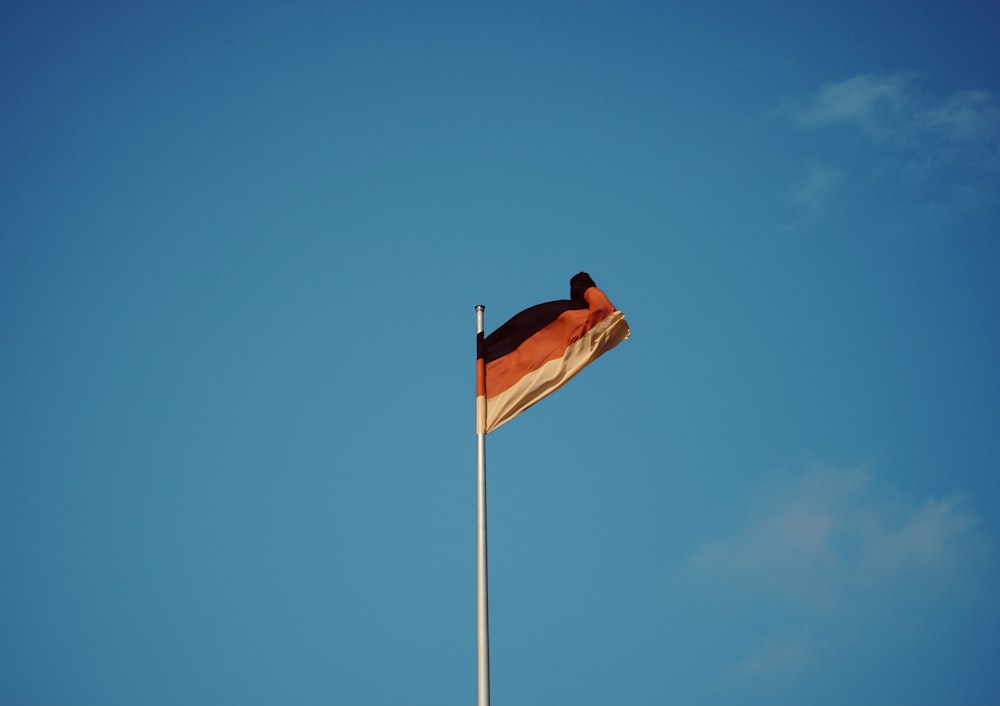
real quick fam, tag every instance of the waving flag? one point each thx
(541, 348)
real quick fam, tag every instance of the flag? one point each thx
(540, 349)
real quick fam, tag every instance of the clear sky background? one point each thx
(240, 248)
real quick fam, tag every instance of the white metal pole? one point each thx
(482, 604)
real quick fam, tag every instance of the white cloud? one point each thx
(875, 104)
(836, 556)
(944, 149)
(830, 525)
(814, 191)
(968, 116)
(935, 537)
(895, 111)
(775, 654)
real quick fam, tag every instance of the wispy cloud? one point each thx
(814, 191)
(894, 110)
(833, 551)
(967, 116)
(877, 105)
(945, 146)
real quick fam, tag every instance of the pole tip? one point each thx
(480, 307)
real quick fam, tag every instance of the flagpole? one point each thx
(482, 604)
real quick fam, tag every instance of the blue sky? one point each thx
(240, 249)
